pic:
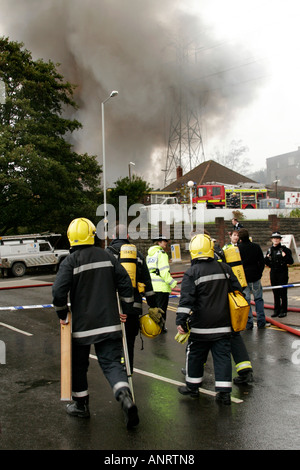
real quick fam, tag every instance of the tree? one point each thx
(44, 183)
(234, 157)
(134, 188)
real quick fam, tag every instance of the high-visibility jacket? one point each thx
(159, 268)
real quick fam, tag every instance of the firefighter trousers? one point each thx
(196, 357)
(240, 354)
(109, 354)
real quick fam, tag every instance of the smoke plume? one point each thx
(148, 50)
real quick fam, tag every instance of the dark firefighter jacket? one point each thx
(142, 276)
(91, 277)
(204, 300)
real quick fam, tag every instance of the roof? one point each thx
(209, 171)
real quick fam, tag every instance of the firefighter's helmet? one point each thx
(201, 246)
(148, 326)
(81, 231)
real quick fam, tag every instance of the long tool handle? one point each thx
(125, 349)
(66, 360)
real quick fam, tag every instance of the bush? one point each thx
(295, 213)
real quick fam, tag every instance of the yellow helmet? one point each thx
(81, 232)
(201, 246)
(148, 326)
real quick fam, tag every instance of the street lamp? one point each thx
(129, 170)
(113, 93)
(276, 185)
(191, 185)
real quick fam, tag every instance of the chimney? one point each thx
(178, 172)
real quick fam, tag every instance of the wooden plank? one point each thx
(66, 360)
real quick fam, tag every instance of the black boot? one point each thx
(224, 398)
(244, 378)
(78, 409)
(129, 408)
(275, 314)
(185, 390)
(282, 314)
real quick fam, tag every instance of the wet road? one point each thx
(263, 415)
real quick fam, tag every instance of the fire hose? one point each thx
(176, 293)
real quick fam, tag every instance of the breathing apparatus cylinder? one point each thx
(233, 258)
(128, 259)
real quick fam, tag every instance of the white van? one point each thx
(19, 252)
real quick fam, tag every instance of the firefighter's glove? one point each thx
(156, 314)
(183, 337)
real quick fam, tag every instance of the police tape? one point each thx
(172, 295)
(281, 287)
(28, 307)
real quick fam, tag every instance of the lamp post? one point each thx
(113, 93)
(191, 185)
(129, 169)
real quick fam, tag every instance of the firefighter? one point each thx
(142, 286)
(278, 258)
(204, 312)
(91, 276)
(159, 268)
(239, 352)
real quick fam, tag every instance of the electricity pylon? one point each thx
(185, 146)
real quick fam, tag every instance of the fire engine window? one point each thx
(201, 192)
(44, 247)
(216, 191)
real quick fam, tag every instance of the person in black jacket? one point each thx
(91, 277)
(236, 224)
(132, 325)
(254, 264)
(278, 258)
(203, 310)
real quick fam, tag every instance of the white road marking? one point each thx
(174, 382)
(15, 329)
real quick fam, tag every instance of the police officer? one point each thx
(91, 277)
(132, 325)
(203, 308)
(159, 268)
(278, 258)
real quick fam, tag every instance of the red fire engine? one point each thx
(244, 196)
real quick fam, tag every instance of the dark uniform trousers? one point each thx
(109, 353)
(280, 295)
(196, 357)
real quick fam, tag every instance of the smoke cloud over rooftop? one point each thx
(148, 50)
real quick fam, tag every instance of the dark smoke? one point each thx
(135, 47)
